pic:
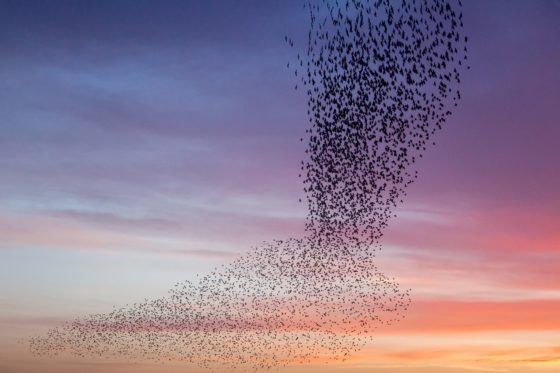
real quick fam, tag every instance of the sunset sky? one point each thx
(145, 142)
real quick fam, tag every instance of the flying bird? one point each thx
(380, 78)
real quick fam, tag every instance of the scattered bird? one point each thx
(380, 77)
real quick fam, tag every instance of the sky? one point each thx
(143, 143)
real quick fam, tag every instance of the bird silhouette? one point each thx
(380, 77)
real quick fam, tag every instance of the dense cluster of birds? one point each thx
(380, 78)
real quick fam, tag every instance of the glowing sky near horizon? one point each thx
(142, 143)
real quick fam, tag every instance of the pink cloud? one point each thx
(454, 316)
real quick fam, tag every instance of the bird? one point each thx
(380, 78)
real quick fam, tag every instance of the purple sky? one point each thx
(144, 142)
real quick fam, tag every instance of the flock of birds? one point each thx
(380, 78)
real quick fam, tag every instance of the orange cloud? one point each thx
(450, 316)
